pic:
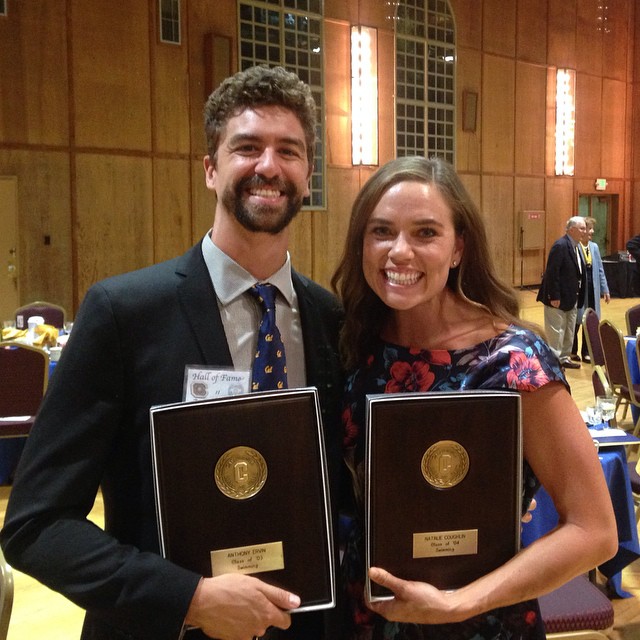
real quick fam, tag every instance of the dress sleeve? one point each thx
(517, 360)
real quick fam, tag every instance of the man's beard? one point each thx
(264, 218)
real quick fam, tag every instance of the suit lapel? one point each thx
(198, 299)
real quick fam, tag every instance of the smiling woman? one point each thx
(425, 311)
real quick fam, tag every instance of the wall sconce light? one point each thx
(364, 95)
(565, 121)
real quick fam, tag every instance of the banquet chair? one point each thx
(634, 478)
(577, 610)
(632, 317)
(618, 368)
(24, 374)
(6, 595)
(53, 314)
(591, 333)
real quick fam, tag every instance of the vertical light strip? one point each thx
(364, 95)
(565, 121)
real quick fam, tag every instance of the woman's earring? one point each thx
(454, 264)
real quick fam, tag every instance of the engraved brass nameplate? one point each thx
(445, 543)
(240, 473)
(250, 559)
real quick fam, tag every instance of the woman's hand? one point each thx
(417, 602)
(528, 516)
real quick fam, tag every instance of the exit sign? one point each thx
(601, 184)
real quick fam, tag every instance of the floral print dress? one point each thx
(516, 359)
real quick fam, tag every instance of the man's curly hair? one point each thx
(257, 87)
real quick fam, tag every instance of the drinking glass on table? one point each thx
(607, 406)
(594, 416)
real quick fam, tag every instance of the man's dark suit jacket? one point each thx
(562, 279)
(132, 338)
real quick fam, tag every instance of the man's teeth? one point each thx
(402, 278)
(265, 193)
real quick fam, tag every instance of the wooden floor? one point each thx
(43, 614)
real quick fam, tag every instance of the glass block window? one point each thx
(169, 11)
(425, 78)
(288, 33)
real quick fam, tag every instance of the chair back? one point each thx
(6, 596)
(632, 317)
(615, 356)
(591, 332)
(53, 314)
(24, 374)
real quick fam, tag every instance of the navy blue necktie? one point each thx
(269, 365)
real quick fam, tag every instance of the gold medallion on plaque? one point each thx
(240, 473)
(445, 464)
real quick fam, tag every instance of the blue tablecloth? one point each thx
(634, 371)
(614, 466)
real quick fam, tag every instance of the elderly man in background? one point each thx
(563, 289)
(597, 287)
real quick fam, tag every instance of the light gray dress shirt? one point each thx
(241, 313)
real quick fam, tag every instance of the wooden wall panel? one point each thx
(469, 78)
(330, 227)
(473, 185)
(338, 94)
(531, 35)
(530, 118)
(562, 33)
(33, 82)
(114, 217)
(588, 138)
(170, 95)
(468, 17)
(340, 10)
(498, 100)
(499, 27)
(111, 82)
(617, 41)
(529, 263)
(589, 37)
(171, 208)
(205, 18)
(560, 206)
(203, 202)
(614, 113)
(497, 212)
(46, 270)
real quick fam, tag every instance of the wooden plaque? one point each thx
(444, 485)
(241, 485)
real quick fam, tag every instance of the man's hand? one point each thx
(554, 303)
(239, 607)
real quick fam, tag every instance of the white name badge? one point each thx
(206, 383)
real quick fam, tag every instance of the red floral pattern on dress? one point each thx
(525, 373)
(350, 428)
(409, 376)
